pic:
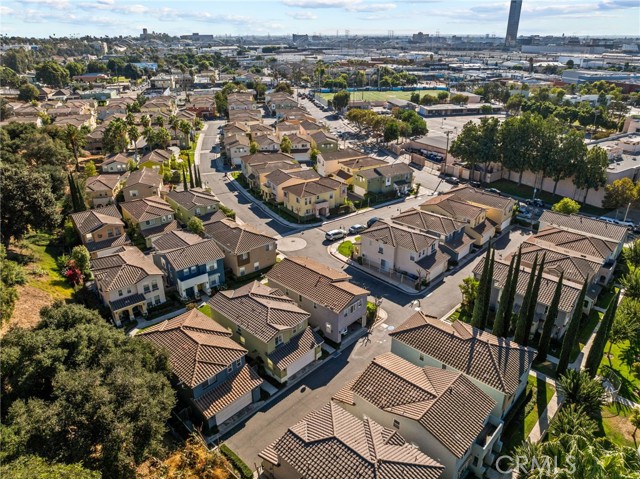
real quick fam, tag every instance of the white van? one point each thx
(335, 234)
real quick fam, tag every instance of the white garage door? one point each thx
(300, 363)
(233, 408)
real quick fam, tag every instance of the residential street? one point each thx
(248, 439)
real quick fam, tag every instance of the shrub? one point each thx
(238, 463)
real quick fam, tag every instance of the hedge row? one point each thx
(237, 463)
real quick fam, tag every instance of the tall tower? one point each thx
(514, 21)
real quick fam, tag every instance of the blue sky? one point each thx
(127, 17)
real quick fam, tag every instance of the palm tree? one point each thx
(634, 419)
(130, 119)
(134, 136)
(174, 123)
(578, 388)
(185, 128)
(75, 139)
(145, 121)
(159, 120)
(149, 135)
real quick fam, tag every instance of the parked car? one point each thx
(355, 229)
(371, 221)
(608, 220)
(452, 180)
(475, 184)
(495, 191)
(335, 234)
(628, 224)
(537, 202)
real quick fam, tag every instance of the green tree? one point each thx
(185, 129)
(566, 206)
(90, 169)
(75, 68)
(27, 203)
(500, 327)
(76, 390)
(572, 152)
(18, 59)
(469, 290)
(253, 148)
(53, 74)
(481, 304)
(134, 135)
(341, 100)
(631, 283)
(631, 254)
(185, 185)
(28, 92)
(521, 335)
(594, 358)
(626, 323)
(552, 315)
(284, 87)
(41, 149)
(9, 78)
(619, 194)
(443, 96)
(580, 389)
(115, 137)
(82, 258)
(634, 419)
(571, 332)
(459, 99)
(391, 131)
(534, 302)
(519, 143)
(75, 139)
(285, 145)
(195, 225)
(162, 137)
(478, 144)
(34, 467)
(592, 174)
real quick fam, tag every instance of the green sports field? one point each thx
(383, 95)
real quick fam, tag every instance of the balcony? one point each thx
(487, 442)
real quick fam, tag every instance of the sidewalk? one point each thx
(142, 324)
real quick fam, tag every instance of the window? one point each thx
(109, 234)
(327, 327)
(239, 363)
(279, 340)
(268, 247)
(412, 257)
(241, 271)
(211, 380)
(256, 266)
(244, 256)
(299, 297)
(295, 328)
(149, 304)
(99, 236)
(156, 299)
(185, 271)
(444, 366)
(147, 288)
(315, 306)
(387, 181)
(119, 292)
(359, 303)
(212, 267)
(421, 357)
(164, 219)
(330, 196)
(345, 313)
(198, 211)
(154, 285)
(238, 330)
(147, 222)
(380, 250)
(128, 290)
(297, 200)
(169, 217)
(396, 424)
(194, 269)
(230, 368)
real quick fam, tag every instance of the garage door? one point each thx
(301, 362)
(233, 408)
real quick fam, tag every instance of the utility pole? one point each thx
(446, 153)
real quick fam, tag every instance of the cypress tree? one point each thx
(508, 315)
(521, 333)
(592, 364)
(72, 192)
(534, 301)
(571, 332)
(199, 177)
(184, 179)
(191, 180)
(478, 306)
(487, 294)
(499, 323)
(547, 329)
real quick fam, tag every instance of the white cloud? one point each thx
(349, 5)
(304, 16)
(57, 4)
(6, 10)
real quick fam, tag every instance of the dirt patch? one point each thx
(27, 310)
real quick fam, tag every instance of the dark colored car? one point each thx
(452, 180)
(371, 221)
(537, 202)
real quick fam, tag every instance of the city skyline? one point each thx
(42, 18)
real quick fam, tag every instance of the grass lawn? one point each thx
(622, 356)
(345, 248)
(524, 191)
(606, 296)
(206, 309)
(44, 274)
(383, 95)
(520, 424)
(615, 425)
